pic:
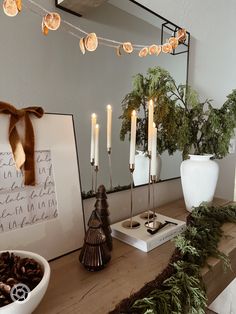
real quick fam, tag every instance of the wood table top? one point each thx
(72, 289)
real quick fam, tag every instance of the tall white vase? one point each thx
(199, 176)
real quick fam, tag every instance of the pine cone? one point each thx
(28, 271)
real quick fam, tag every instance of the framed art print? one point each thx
(46, 218)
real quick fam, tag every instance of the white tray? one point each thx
(141, 239)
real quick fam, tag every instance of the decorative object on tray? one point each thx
(179, 288)
(142, 239)
(33, 217)
(95, 252)
(24, 278)
(101, 206)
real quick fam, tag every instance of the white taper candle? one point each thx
(96, 159)
(109, 126)
(150, 124)
(133, 138)
(92, 149)
(154, 151)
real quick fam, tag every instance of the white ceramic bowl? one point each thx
(36, 295)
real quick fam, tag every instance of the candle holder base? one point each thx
(128, 224)
(153, 224)
(147, 215)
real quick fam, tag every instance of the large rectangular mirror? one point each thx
(105, 78)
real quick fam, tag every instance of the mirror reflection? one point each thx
(123, 21)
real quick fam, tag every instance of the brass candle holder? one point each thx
(131, 224)
(110, 167)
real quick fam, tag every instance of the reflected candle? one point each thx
(133, 138)
(109, 126)
(150, 124)
(92, 148)
(154, 151)
(96, 159)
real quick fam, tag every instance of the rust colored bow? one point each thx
(23, 154)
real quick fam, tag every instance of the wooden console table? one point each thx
(72, 289)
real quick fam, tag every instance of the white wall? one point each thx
(212, 58)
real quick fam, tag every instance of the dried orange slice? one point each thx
(143, 52)
(19, 5)
(45, 30)
(182, 35)
(128, 48)
(159, 49)
(118, 52)
(153, 49)
(82, 46)
(174, 42)
(52, 21)
(10, 8)
(91, 42)
(167, 48)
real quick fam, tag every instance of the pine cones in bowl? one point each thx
(24, 278)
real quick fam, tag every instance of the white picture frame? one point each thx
(65, 233)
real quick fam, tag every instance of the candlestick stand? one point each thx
(130, 224)
(154, 223)
(110, 167)
(92, 176)
(148, 214)
(96, 177)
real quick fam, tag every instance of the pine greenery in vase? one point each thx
(184, 122)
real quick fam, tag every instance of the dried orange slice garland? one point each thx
(52, 21)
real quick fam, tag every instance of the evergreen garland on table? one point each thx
(179, 288)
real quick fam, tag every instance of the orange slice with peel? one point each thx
(19, 5)
(143, 52)
(167, 48)
(128, 48)
(45, 30)
(82, 46)
(52, 21)
(118, 52)
(91, 42)
(182, 35)
(159, 49)
(174, 42)
(10, 8)
(153, 49)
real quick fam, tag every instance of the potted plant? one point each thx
(199, 130)
(203, 133)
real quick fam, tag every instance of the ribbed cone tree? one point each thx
(101, 206)
(95, 253)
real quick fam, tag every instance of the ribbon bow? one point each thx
(23, 154)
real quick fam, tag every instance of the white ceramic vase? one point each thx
(199, 176)
(141, 171)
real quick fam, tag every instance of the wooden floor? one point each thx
(72, 289)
